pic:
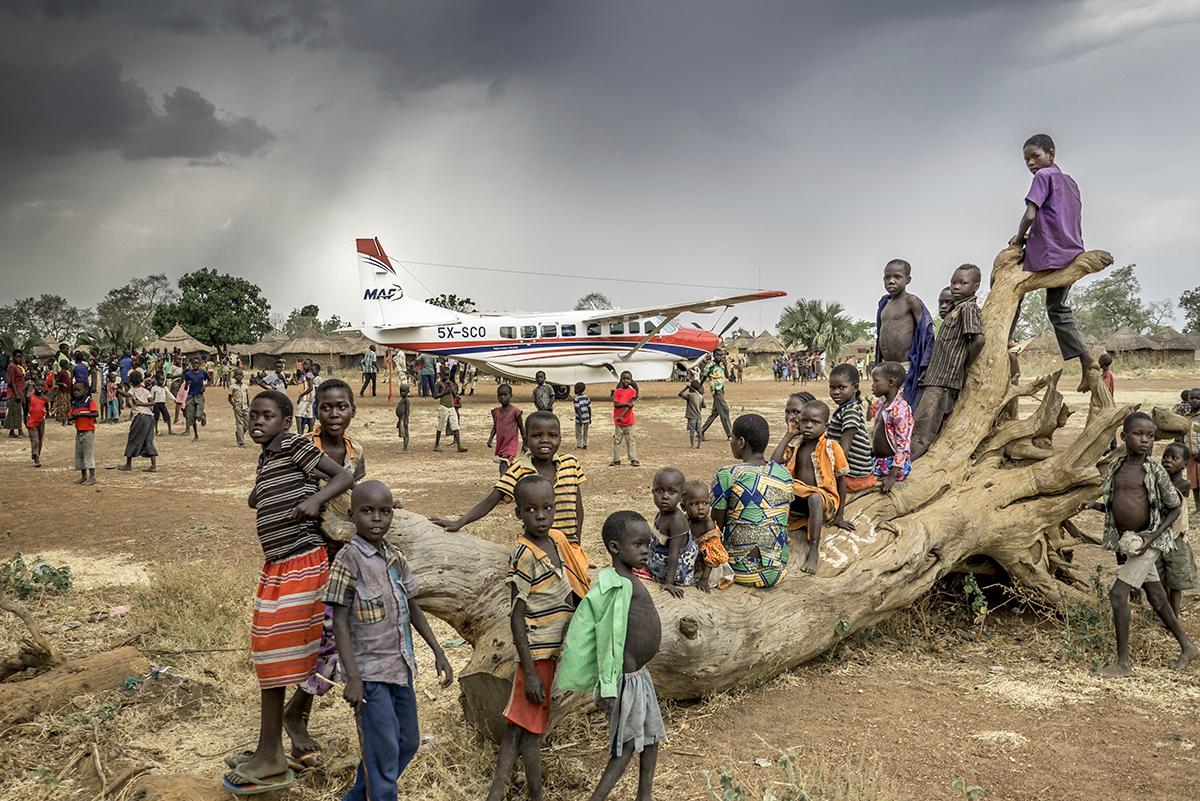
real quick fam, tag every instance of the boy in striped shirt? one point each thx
(547, 579)
(583, 416)
(543, 436)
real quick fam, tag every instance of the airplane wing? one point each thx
(699, 307)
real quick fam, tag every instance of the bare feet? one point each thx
(1114, 671)
(1090, 377)
(811, 561)
(1186, 658)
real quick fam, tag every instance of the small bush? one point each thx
(23, 580)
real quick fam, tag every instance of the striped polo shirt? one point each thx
(947, 365)
(547, 594)
(287, 474)
(850, 415)
(568, 475)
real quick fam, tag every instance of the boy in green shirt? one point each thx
(614, 633)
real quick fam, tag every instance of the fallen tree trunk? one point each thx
(992, 485)
(24, 700)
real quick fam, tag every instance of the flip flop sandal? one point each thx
(238, 757)
(254, 785)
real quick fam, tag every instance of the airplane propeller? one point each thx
(728, 325)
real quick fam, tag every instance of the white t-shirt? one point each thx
(141, 395)
(158, 394)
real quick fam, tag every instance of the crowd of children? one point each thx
(335, 602)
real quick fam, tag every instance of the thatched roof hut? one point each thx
(1127, 344)
(178, 338)
(45, 348)
(763, 348)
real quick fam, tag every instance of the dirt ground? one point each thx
(929, 705)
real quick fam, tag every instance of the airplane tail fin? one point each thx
(384, 303)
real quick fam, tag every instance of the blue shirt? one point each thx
(126, 365)
(195, 380)
(81, 372)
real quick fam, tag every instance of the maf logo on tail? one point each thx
(395, 293)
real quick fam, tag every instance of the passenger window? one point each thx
(649, 329)
(529, 332)
(549, 330)
(593, 329)
(616, 328)
(635, 327)
(568, 330)
(508, 332)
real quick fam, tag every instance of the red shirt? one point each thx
(85, 423)
(1108, 380)
(37, 411)
(623, 418)
(16, 380)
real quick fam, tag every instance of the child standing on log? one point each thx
(1178, 566)
(547, 581)
(959, 341)
(1052, 235)
(904, 327)
(371, 591)
(1140, 507)
(615, 632)
(289, 605)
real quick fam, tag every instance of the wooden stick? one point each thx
(192, 650)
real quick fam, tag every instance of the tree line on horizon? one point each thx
(221, 310)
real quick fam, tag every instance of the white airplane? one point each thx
(569, 346)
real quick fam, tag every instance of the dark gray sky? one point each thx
(791, 145)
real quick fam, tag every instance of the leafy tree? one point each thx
(1111, 302)
(128, 311)
(113, 336)
(593, 300)
(1032, 321)
(308, 318)
(816, 324)
(216, 308)
(1189, 304)
(30, 319)
(453, 303)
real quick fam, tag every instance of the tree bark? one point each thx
(24, 700)
(993, 485)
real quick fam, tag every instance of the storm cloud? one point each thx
(87, 105)
(791, 145)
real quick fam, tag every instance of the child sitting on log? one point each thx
(1140, 506)
(891, 439)
(673, 552)
(547, 581)
(818, 467)
(615, 632)
(713, 562)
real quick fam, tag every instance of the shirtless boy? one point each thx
(904, 327)
(624, 688)
(1138, 521)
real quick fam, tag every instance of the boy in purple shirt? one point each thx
(1051, 232)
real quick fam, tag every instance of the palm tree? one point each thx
(815, 324)
(113, 337)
